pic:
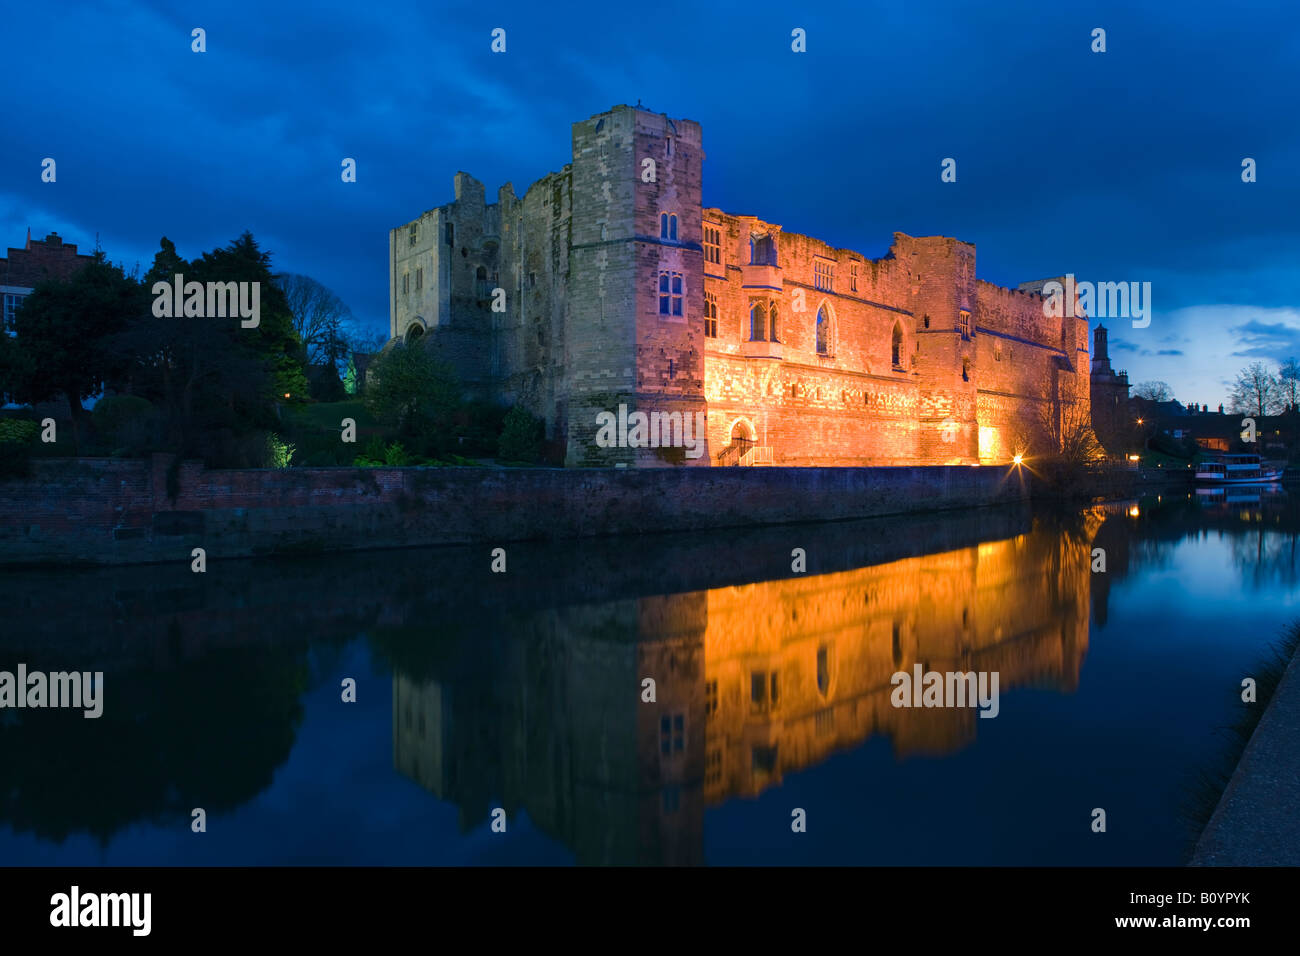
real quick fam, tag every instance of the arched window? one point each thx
(758, 321)
(823, 330)
(771, 316)
(823, 670)
(668, 226)
(481, 282)
(896, 352)
(762, 251)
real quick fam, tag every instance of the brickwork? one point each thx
(38, 260)
(623, 289)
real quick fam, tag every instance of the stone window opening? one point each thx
(825, 337)
(926, 320)
(481, 282)
(963, 323)
(419, 279)
(853, 277)
(823, 274)
(757, 321)
(670, 293)
(762, 250)
(710, 315)
(965, 370)
(712, 244)
(896, 350)
(668, 226)
(406, 283)
(451, 234)
(415, 233)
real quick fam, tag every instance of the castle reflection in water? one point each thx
(752, 682)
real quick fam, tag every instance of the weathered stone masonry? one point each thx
(621, 287)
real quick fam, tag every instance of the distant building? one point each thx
(1112, 420)
(39, 259)
(1276, 436)
(23, 269)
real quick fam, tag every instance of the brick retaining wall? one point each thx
(108, 511)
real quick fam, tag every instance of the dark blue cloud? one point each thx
(1122, 166)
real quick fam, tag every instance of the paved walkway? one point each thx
(1257, 822)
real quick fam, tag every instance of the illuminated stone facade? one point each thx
(610, 283)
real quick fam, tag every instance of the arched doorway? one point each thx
(742, 433)
(741, 437)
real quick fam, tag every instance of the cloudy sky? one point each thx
(1116, 166)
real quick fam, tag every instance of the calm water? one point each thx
(523, 691)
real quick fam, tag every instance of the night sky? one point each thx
(1120, 166)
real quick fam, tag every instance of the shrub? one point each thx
(17, 439)
(521, 437)
(415, 395)
(278, 451)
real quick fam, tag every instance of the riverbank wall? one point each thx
(112, 511)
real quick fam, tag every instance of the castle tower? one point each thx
(942, 287)
(635, 325)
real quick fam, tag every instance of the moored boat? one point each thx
(1238, 469)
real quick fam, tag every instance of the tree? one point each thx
(319, 318)
(1059, 445)
(274, 339)
(1288, 383)
(415, 394)
(1061, 431)
(63, 330)
(1153, 391)
(1255, 392)
(215, 384)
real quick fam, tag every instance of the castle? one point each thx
(610, 284)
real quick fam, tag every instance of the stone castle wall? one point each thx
(918, 362)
